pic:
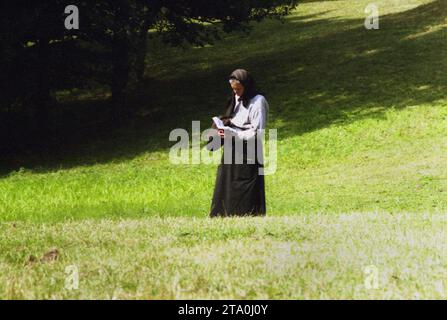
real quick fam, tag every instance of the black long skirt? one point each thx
(239, 188)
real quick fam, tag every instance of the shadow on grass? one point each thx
(315, 74)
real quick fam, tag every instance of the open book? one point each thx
(220, 125)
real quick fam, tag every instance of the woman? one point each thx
(239, 188)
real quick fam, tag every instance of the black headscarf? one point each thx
(250, 90)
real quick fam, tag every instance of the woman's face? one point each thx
(237, 88)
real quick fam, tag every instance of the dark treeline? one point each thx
(40, 56)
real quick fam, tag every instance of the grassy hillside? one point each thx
(361, 119)
(361, 178)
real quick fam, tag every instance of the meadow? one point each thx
(361, 177)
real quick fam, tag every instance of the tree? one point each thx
(37, 58)
(40, 56)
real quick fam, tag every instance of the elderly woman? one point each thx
(239, 188)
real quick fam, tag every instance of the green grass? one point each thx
(324, 256)
(361, 119)
(362, 127)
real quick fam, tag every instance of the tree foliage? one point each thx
(40, 56)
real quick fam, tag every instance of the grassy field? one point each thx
(322, 256)
(361, 179)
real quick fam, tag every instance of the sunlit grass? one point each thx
(361, 176)
(361, 119)
(323, 256)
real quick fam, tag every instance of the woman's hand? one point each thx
(226, 121)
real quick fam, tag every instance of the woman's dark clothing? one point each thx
(240, 188)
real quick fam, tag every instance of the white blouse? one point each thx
(252, 118)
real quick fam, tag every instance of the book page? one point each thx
(220, 125)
